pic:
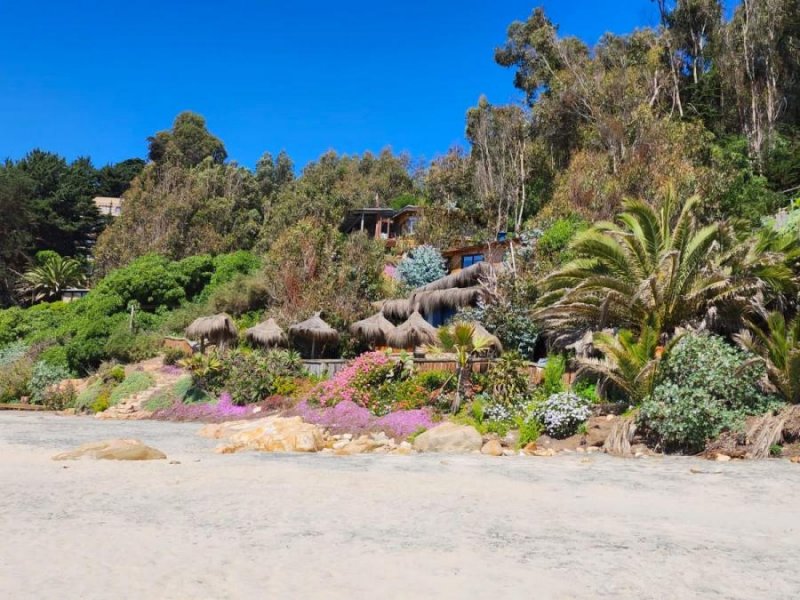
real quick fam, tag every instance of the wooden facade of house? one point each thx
(384, 224)
(462, 257)
(109, 207)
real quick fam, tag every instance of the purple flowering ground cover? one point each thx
(222, 410)
(348, 417)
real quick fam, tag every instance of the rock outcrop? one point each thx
(271, 434)
(449, 437)
(123, 449)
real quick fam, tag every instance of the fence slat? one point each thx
(330, 367)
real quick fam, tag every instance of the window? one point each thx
(470, 259)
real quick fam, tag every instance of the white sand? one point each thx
(426, 526)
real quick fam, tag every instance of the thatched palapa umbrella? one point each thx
(316, 330)
(373, 330)
(396, 308)
(266, 334)
(414, 332)
(218, 329)
(451, 298)
(467, 277)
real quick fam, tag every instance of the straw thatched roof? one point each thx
(218, 327)
(373, 329)
(267, 333)
(481, 332)
(467, 277)
(397, 308)
(415, 331)
(454, 298)
(315, 329)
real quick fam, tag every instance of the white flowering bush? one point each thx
(495, 411)
(562, 413)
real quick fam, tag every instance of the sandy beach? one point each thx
(426, 526)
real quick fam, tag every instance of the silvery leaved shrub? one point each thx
(562, 413)
(704, 386)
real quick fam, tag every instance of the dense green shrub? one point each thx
(704, 386)
(128, 347)
(556, 238)
(112, 373)
(586, 389)
(529, 429)
(228, 266)
(151, 280)
(244, 293)
(553, 376)
(10, 320)
(253, 376)
(403, 394)
(55, 355)
(509, 384)
(15, 376)
(435, 380)
(172, 356)
(43, 377)
(194, 273)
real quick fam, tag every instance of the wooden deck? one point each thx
(20, 406)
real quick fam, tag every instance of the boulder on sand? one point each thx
(271, 434)
(113, 450)
(449, 437)
(492, 448)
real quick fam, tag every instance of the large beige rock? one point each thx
(271, 434)
(113, 450)
(449, 437)
(492, 448)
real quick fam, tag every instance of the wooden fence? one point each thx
(329, 367)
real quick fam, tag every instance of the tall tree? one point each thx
(188, 142)
(500, 148)
(760, 61)
(16, 239)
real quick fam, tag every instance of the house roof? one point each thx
(475, 248)
(409, 208)
(353, 217)
(104, 201)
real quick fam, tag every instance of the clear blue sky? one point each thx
(96, 78)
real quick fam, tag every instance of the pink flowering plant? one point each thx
(356, 382)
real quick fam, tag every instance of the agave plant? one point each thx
(630, 363)
(48, 280)
(663, 265)
(778, 347)
(461, 339)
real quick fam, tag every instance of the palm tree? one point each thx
(659, 266)
(778, 348)
(462, 340)
(629, 363)
(48, 280)
(761, 270)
